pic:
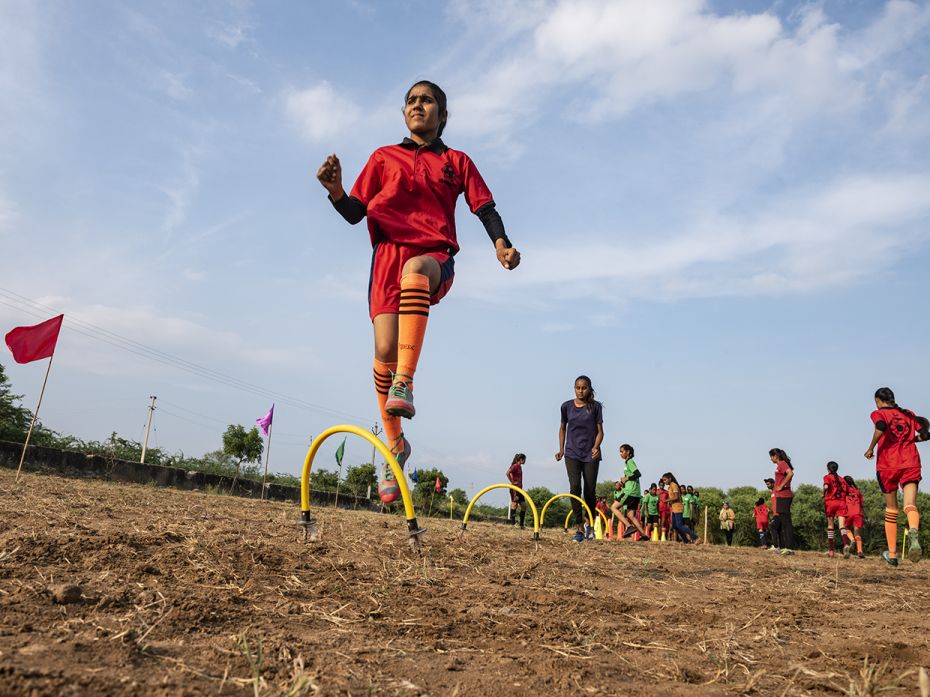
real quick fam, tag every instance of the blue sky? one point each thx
(722, 209)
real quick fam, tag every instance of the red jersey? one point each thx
(897, 448)
(835, 487)
(781, 474)
(409, 193)
(663, 498)
(762, 516)
(515, 474)
(853, 502)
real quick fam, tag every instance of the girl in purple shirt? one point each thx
(580, 436)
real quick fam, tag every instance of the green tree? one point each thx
(459, 496)
(359, 478)
(425, 489)
(555, 515)
(324, 480)
(14, 419)
(242, 446)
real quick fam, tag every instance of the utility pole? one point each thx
(148, 426)
(376, 430)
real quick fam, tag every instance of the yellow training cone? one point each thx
(598, 529)
(655, 533)
(662, 539)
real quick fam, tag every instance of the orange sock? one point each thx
(891, 530)
(382, 374)
(849, 534)
(913, 517)
(859, 544)
(411, 322)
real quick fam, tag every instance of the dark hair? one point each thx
(781, 455)
(670, 476)
(850, 481)
(629, 447)
(653, 485)
(589, 402)
(833, 468)
(760, 501)
(885, 394)
(518, 457)
(438, 95)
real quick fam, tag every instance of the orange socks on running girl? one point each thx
(411, 323)
(913, 517)
(383, 375)
(891, 531)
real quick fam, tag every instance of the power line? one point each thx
(76, 324)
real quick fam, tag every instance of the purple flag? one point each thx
(265, 422)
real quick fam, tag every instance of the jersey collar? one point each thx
(436, 145)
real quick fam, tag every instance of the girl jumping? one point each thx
(834, 504)
(897, 431)
(408, 192)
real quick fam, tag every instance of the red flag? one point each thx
(438, 484)
(33, 343)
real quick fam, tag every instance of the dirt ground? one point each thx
(111, 589)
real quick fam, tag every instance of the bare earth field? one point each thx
(110, 589)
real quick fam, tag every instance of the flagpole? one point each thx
(267, 457)
(35, 416)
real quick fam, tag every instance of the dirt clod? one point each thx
(66, 593)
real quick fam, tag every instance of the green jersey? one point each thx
(651, 503)
(631, 488)
(687, 500)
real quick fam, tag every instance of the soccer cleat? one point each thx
(579, 537)
(913, 547)
(400, 398)
(889, 560)
(401, 451)
(787, 552)
(388, 488)
(831, 553)
(861, 555)
(847, 550)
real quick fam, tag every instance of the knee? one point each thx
(385, 350)
(415, 265)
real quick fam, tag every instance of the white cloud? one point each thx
(181, 192)
(173, 85)
(319, 112)
(850, 228)
(229, 34)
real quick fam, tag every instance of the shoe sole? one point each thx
(403, 412)
(914, 553)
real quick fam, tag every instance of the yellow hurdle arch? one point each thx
(568, 517)
(306, 519)
(542, 517)
(536, 519)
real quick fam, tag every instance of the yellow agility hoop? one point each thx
(306, 519)
(542, 517)
(512, 487)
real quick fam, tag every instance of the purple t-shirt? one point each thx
(580, 429)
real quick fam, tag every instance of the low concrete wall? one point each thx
(69, 463)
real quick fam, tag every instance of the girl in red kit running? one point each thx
(854, 520)
(897, 431)
(408, 192)
(834, 503)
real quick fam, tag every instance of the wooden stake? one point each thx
(35, 416)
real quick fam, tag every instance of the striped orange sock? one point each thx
(382, 374)
(411, 322)
(913, 517)
(891, 531)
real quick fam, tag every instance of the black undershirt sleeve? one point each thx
(636, 475)
(349, 208)
(493, 224)
(881, 425)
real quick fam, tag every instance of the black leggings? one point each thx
(729, 535)
(577, 471)
(783, 509)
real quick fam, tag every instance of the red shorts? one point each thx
(835, 507)
(855, 521)
(663, 513)
(890, 480)
(387, 264)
